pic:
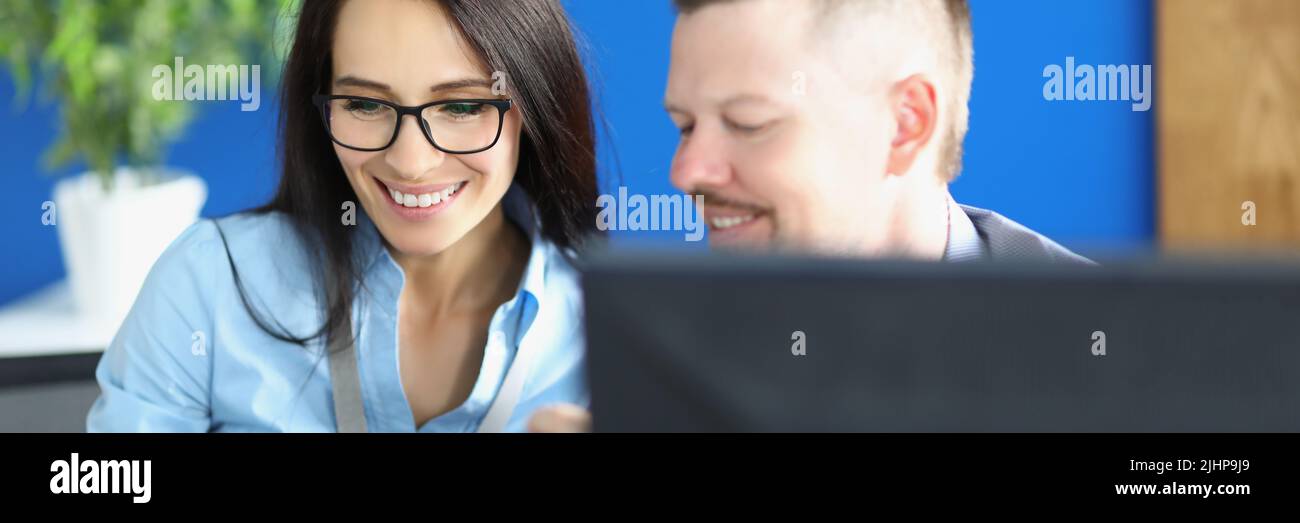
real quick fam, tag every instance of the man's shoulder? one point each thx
(1006, 239)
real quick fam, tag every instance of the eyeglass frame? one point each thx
(322, 104)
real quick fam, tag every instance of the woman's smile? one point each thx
(420, 202)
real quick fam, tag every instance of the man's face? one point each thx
(787, 152)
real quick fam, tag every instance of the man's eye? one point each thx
(746, 129)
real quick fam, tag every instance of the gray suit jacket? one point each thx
(1006, 240)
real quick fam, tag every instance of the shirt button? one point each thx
(496, 338)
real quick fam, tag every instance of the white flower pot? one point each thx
(111, 240)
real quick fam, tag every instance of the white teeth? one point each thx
(727, 222)
(426, 199)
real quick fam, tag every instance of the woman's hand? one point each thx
(560, 418)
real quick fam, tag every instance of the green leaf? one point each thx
(95, 58)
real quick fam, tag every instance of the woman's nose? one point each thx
(411, 155)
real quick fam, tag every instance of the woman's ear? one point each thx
(914, 108)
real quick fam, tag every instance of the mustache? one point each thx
(712, 198)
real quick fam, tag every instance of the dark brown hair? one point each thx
(532, 42)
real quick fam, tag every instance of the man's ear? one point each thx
(912, 104)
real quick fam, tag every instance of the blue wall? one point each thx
(1081, 173)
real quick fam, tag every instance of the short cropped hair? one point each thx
(955, 52)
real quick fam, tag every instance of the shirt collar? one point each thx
(519, 208)
(964, 243)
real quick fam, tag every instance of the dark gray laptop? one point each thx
(701, 343)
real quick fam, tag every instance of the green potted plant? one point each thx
(102, 62)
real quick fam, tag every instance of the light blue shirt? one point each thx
(190, 358)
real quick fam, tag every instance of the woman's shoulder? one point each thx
(242, 228)
(248, 232)
(259, 246)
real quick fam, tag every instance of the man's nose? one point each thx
(702, 160)
(411, 155)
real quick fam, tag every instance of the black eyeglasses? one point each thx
(451, 126)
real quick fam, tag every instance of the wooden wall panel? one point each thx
(1228, 111)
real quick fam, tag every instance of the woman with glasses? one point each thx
(411, 272)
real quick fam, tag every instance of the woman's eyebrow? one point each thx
(349, 80)
(461, 84)
(353, 81)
